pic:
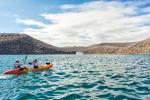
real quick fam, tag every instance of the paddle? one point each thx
(25, 59)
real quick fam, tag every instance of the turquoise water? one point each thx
(79, 77)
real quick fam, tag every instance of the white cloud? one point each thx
(92, 22)
(31, 22)
(68, 6)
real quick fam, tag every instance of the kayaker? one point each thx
(17, 64)
(35, 63)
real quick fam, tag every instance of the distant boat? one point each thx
(79, 53)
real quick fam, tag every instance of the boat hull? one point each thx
(25, 70)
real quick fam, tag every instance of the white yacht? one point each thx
(79, 53)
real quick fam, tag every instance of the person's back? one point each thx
(17, 64)
(35, 63)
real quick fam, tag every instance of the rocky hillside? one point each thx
(73, 49)
(111, 45)
(142, 47)
(24, 44)
(97, 48)
(105, 48)
(101, 50)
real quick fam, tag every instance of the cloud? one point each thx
(31, 22)
(92, 22)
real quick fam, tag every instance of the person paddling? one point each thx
(17, 64)
(35, 63)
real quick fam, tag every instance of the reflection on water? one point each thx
(79, 77)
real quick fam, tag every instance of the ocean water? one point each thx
(78, 77)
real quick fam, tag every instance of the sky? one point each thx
(77, 22)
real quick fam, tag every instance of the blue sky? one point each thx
(12, 9)
(77, 22)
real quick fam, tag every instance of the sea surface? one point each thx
(78, 77)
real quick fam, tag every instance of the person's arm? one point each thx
(14, 65)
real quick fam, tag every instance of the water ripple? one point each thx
(79, 77)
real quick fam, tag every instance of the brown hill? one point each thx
(101, 50)
(97, 48)
(142, 47)
(24, 44)
(105, 48)
(73, 49)
(111, 45)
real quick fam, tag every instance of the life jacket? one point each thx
(17, 65)
(35, 64)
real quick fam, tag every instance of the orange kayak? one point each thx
(25, 70)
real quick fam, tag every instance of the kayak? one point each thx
(25, 69)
